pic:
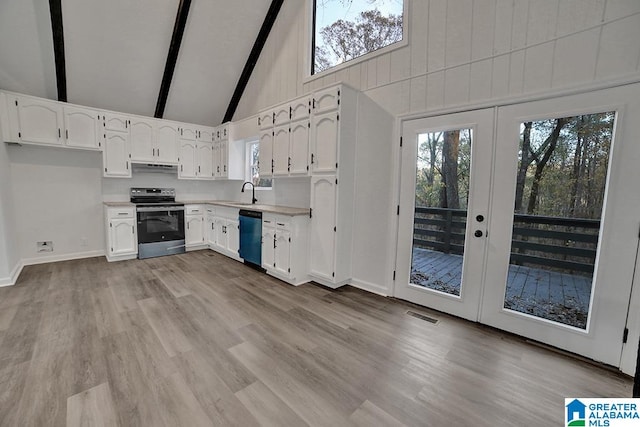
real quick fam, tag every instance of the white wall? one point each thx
(459, 53)
(56, 197)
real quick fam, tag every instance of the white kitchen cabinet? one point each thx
(300, 108)
(116, 154)
(165, 143)
(323, 222)
(265, 155)
(325, 142)
(188, 167)
(268, 244)
(223, 158)
(142, 141)
(281, 150)
(299, 147)
(210, 226)
(82, 127)
(326, 100)
(282, 114)
(116, 122)
(227, 233)
(35, 120)
(122, 239)
(285, 242)
(194, 227)
(205, 160)
(265, 119)
(217, 170)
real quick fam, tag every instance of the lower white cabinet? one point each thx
(194, 231)
(285, 240)
(224, 233)
(121, 233)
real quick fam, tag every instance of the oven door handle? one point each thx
(160, 209)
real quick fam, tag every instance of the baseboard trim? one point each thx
(370, 287)
(64, 257)
(13, 277)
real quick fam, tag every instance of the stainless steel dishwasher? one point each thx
(251, 237)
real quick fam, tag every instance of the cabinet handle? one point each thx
(66, 133)
(123, 213)
(314, 103)
(59, 135)
(158, 152)
(289, 165)
(225, 168)
(312, 157)
(280, 224)
(154, 152)
(127, 165)
(133, 231)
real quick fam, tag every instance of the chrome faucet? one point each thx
(253, 192)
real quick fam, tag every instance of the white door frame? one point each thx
(482, 124)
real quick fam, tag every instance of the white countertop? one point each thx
(274, 209)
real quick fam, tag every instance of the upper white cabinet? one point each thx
(166, 143)
(265, 154)
(205, 160)
(117, 122)
(326, 100)
(142, 142)
(116, 154)
(35, 120)
(325, 138)
(265, 119)
(153, 141)
(280, 153)
(300, 108)
(188, 160)
(299, 147)
(282, 114)
(82, 127)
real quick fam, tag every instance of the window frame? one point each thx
(309, 76)
(247, 168)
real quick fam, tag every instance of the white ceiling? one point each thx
(115, 53)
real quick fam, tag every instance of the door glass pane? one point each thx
(442, 191)
(560, 185)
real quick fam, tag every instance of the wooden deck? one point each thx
(548, 294)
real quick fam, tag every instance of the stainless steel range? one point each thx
(160, 222)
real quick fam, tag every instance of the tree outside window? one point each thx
(252, 172)
(347, 29)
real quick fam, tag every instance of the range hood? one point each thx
(152, 168)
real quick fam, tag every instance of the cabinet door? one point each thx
(39, 121)
(206, 134)
(224, 158)
(221, 234)
(116, 122)
(194, 233)
(324, 142)
(323, 221)
(166, 143)
(299, 143)
(217, 169)
(122, 236)
(188, 152)
(211, 230)
(142, 149)
(265, 119)
(281, 151)
(300, 109)
(205, 160)
(233, 236)
(268, 249)
(265, 155)
(283, 252)
(116, 154)
(187, 133)
(281, 115)
(81, 127)
(326, 100)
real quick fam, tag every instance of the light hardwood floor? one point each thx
(199, 339)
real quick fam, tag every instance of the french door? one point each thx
(525, 218)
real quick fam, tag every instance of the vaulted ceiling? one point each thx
(116, 50)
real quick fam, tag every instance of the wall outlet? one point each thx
(45, 246)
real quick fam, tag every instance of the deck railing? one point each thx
(565, 244)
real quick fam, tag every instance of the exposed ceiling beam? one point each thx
(172, 56)
(55, 9)
(263, 35)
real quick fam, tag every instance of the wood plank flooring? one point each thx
(198, 339)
